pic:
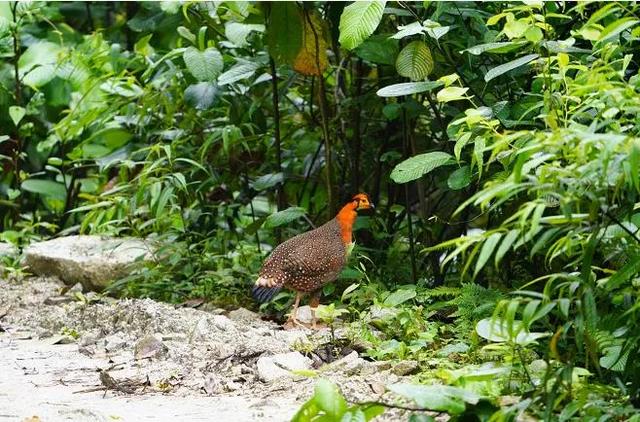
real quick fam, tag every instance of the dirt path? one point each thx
(104, 359)
(45, 380)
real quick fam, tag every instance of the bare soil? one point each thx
(69, 357)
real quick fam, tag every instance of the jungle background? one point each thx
(498, 141)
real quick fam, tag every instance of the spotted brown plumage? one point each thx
(309, 260)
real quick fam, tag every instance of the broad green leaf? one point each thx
(407, 88)
(44, 187)
(614, 359)
(204, 65)
(507, 67)
(37, 65)
(565, 46)
(515, 28)
(358, 21)
(413, 28)
(378, 49)
(347, 292)
(416, 167)
(186, 34)
(624, 274)
(434, 29)
(495, 47)
(202, 95)
(329, 399)
(500, 331)
(101, 204)
(616, 28)
(506, 244)
(441, 398)
(16, 113)
(242, 70)
(399, 296)
(267, 181)
(283, 217)
(4, 26)
(451, 93)
(284, 31)
(487, 250)
(534, 34)
(461, 142)
(112, 138)
(415, 61)
(237, 32)
(459, 179)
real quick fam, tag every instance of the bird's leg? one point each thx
(314, 301)
(292, 318)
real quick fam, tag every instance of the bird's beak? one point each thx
(373, 207)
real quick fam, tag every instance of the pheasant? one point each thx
(310, 260)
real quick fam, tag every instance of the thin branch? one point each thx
(324, 114)
(276, 132)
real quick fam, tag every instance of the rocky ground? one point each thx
(88, 357)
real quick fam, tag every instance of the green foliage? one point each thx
(328, 404)
(507, 185)
(415, 167)
(358, 21)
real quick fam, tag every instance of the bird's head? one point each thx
(361, 201)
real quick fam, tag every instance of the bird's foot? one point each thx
(293, 323)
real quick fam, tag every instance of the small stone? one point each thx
(244, 316)
(304, 314)
(223, 323)
(213, 385)
(173, 337)
(114, 342)
(404, 367)
(377, 387)
(57, 300)
(349, 365)
(201, 331)
(231, 386)
(62, 339)
(149, 347)
(371, 368)
(279, 366)
(88, 338)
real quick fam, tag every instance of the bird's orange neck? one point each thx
(346, 217)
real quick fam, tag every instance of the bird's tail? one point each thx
(264, 290)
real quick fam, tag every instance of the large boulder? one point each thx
(93, 261)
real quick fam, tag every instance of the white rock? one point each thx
(7, 249)
(223, 323)
(304, 314)
(349, 365)
(93, 261)
(149, 347)
(278, 366)
(243, 315)
(114, 342)
(404, 367)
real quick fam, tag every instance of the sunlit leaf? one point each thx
(204, 65)
(507, 67)
(416, 167)
(358, 21)
(407, 88)
(415, 61)
(283, 217)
